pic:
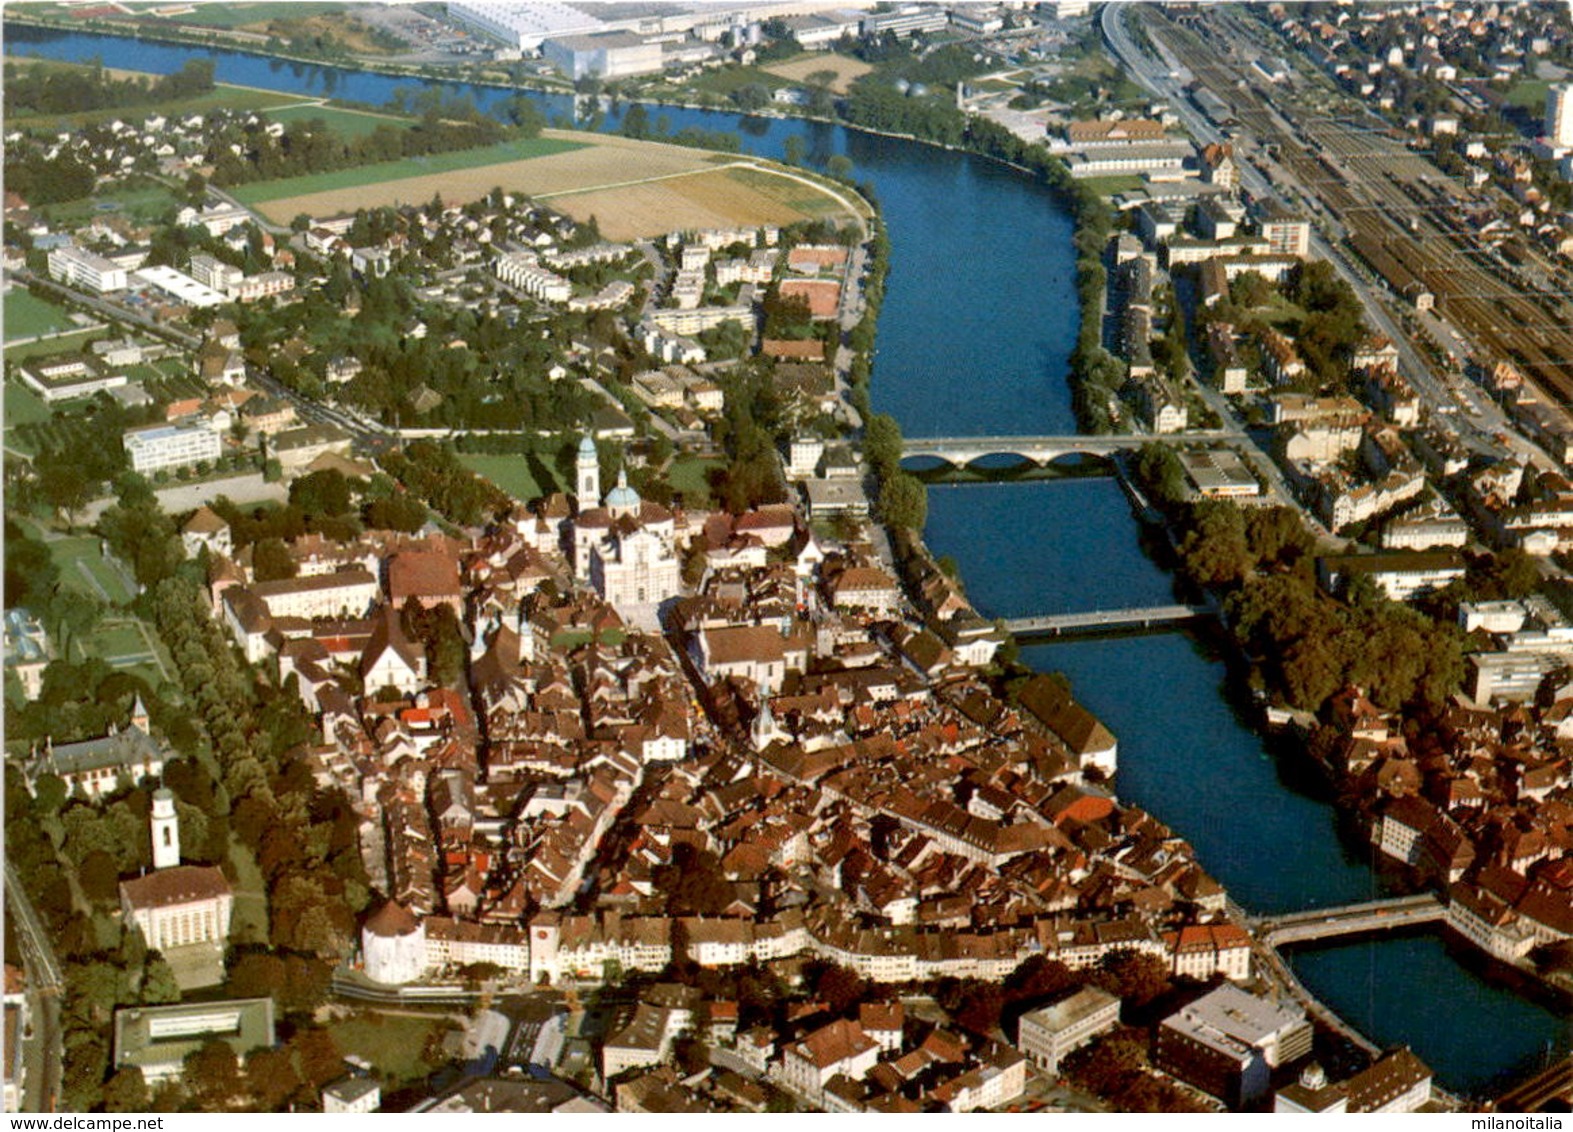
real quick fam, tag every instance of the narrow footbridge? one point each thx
(1351, 919)
(959, 451)
(1101, 620)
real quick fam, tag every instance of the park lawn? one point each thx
(23, 406)
(28, 316)
(511, 473)
(83, 568)
(395, 1044)
(249, 920)
(521, 150)
(345, 123)
(1529, 94)
(689, 475)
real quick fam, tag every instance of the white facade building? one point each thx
(77, 267)
(161, 447)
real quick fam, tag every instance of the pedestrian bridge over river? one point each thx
(959, 451)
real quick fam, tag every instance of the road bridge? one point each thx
(1103, 620)
(1551, 1084)
(1352, 919)
(959, 451)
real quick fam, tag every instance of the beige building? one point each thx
(1048, 1034)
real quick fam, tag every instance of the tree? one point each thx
(636, 121)
(794, 149)
(882, 443)
(158, 981)
(903, 501)
(271, 1078)
(212, 1074)
(272, 561)
(127, 1091)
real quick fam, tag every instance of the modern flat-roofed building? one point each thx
(1228, 1042)
(78, 267)
(605, 55)
(180, 287)
(1559, 116)
(525, 24)
(157, 1039)
(161, 447)
(1048, 1034)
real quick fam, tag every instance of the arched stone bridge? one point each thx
(959, 451)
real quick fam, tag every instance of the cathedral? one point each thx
(626, 547)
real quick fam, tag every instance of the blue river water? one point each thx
(978, 323)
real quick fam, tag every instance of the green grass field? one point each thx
(727, 79)
(398, 170)
(83, 569)
(511, 473)
(1108, 186)
(228, 16)
(144, 203)
(1530, 94)
(249, 921)
(345, 123)
(27, 316)
(687, 474)
(62, 345)
(395, 1044)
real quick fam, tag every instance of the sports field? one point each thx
(28, 316)
(844, 69)
(373, 179)
(632, 188)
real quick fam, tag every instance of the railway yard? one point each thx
(1412, 224)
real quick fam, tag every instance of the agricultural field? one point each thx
(583, 175)
(408, 180)
(846, 70)
(230, 16)
(28, 316)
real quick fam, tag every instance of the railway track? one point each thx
(1375, 187)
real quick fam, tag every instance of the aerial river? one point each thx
(978, 323)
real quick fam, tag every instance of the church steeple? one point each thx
(166, 830)
(139, 718)
(587, 475)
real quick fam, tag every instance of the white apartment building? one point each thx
(77, 267)
(161, 447)
(523, 271)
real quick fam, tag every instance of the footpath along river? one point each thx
(978, 323)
